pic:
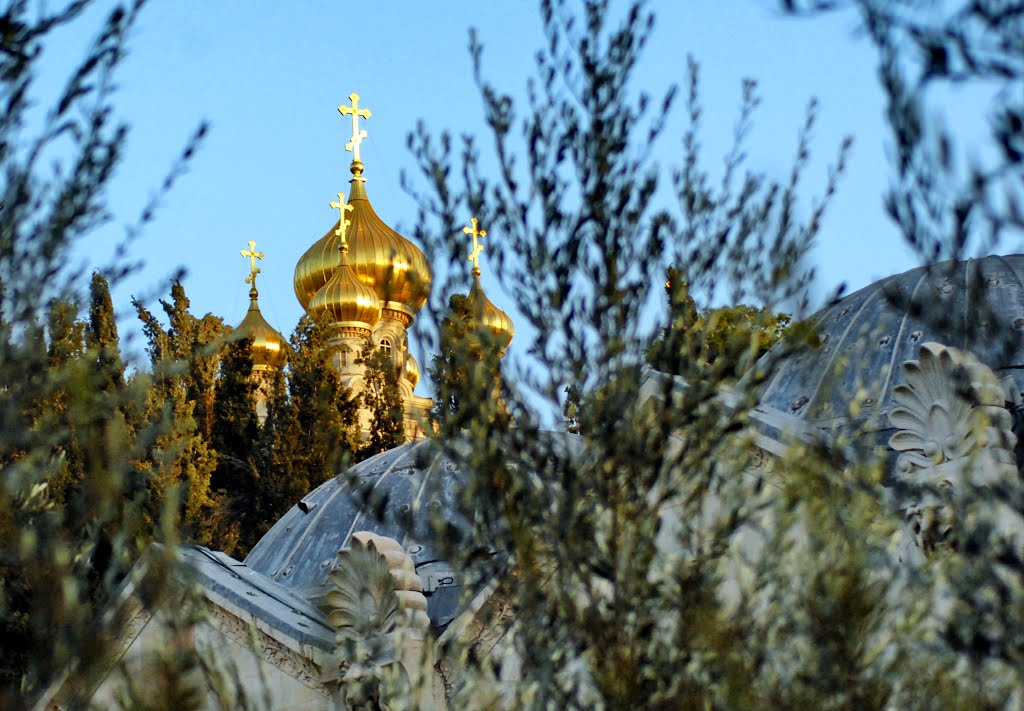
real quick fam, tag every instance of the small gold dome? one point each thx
(489, 315)
(269, 348)
(345, 301)
(383, 260)
(412, 370)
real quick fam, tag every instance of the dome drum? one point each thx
(350, 329)
(402, 493)
(397, 312)
(409, 484)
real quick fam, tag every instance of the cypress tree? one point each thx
(66, 345)
(384, 402)
(235, 437)
(466, 366)
(102, 337)
(195, 342)
(279, 484)
(323, 426)
(180, 460)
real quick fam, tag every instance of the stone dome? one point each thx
(398, 494)
(975, 305)
(401, 494)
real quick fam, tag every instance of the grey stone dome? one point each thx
(975, 305)
(397, 494)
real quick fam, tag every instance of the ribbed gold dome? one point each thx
(345, 301)
(412, 370)
(385, 261)
(269, 348)
(489, 315)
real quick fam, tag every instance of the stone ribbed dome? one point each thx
(269, 348)
(400, 493)
(490, 316)
(975, 305)
(345, 301)
(409, 485)
(385, 261)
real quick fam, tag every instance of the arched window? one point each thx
(385, 346)
(344, 355)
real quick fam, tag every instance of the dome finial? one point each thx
(474, 256)
(253, 255)
(357, 134)
(343, 225)
(489, 316)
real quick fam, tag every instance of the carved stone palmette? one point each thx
(378, 610)
(951, 407)
(953, 428)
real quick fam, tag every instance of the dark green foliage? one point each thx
(322, 430)
(179, 462)
(281, 482)
(383, 401)
(465, 366)
(236, 438)
(101, 335)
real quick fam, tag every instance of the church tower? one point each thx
(369, 282)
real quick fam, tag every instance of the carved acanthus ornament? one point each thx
(953, 427)
(378, 610)
(272, 651)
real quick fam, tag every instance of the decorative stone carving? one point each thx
(273, 652)
(136, 618)
(379, 613)
(953, 427)
(951, 407)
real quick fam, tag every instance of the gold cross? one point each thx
(477, 247)
(343, 224)
(253, 255)
(357, 135)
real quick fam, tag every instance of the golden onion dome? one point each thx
(490, 316)
(269, 348)
(345, 301)
(412, 370)
(383, 260)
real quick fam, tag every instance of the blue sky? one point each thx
(269, 76)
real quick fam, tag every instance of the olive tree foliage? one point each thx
(953, 193)
(625, 552)
(77, 458)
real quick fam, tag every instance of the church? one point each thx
(368, 282)
(303, 616)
